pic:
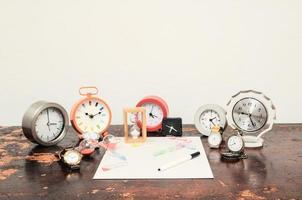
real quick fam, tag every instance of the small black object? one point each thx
(172, 126)
(194, 155)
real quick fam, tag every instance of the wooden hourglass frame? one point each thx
(138, 111)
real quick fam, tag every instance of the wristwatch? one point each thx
(71, 158)
(215, 137)
(214, 140)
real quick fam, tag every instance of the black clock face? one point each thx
(249, 114)
(172, 126)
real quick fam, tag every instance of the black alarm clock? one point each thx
(172, 126)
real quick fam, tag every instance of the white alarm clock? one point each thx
(209, 116)
(253, 114)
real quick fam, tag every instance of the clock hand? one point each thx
(253, 123)
(211, 120)
(171, 128)
(52, 124)
(48, 119)
(151, 115)
(97, 114)
(91, 116)
(242, 113)
(250, 117)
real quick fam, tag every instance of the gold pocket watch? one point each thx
(71, 158)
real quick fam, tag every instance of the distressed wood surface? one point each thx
(28, 171)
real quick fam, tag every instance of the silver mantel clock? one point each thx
(253, 114)
(45, 123)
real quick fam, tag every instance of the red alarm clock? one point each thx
(156, 110)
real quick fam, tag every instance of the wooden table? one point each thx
(31, 172)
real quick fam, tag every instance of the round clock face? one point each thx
(209, 116)
(45, 123)
(49, 124)
(154, 114)
(235, 143)
(215, 139)
(92, 115)
(72, 157)
(249, 114)
(156, 110)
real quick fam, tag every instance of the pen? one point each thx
(179, 161)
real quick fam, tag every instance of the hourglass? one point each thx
(135, 126)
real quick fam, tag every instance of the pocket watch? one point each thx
(215, 138)
(172, 126)
(90, 114)
(156, 110)
(252, 113)
(45, 123)
(235, 145)
(71, 158)
(208, 116)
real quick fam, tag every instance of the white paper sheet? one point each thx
(131, 161)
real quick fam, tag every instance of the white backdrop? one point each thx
(190, 52)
